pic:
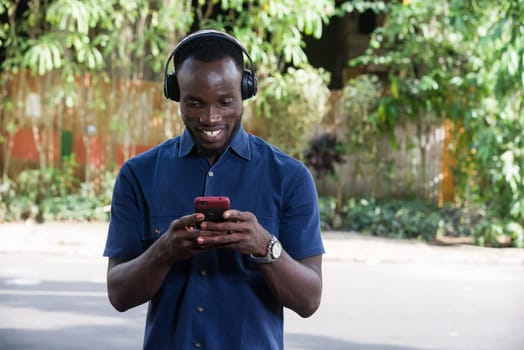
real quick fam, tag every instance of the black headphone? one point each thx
(249, 80)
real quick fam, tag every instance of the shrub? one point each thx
(55, 194)
(421, 220)
(323, 154)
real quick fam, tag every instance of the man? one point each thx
(214, 285)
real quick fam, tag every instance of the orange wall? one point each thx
(24, 149)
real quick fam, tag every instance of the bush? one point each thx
(394, 218)
(55, 194)
(323, 154)
(73, 207)
(417, 219)
(328, 214)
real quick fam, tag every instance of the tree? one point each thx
(462, 61)
(11, 46)
(72, 47)
(292, 96)
(67, 43)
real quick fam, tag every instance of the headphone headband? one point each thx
(249, 80)
(210, 33)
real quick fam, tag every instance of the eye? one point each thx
(193, 103)
(226, 102)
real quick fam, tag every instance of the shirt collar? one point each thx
(239, 144)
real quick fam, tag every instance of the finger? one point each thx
(239, 216)
(198, 243)
(187, 222)
(213, 241)
(204, 243)
(232, 214)
(220, 228)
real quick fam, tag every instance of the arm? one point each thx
(133, 282)
(296, 284)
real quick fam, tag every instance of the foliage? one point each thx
(273, 29)
(135, 36)
(54, 194)
(77, 42)
(461, 60)
(416, 219)
(323, 153)
(10, 47)
(360, 98)
(393, 219)
(363, 129)
(360, 6)
(69, 44)
(297, 102)
(73, 207)
(292, 95)
(7, 197)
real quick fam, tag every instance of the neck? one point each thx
(212, 159)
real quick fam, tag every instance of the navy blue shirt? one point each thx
(219, 299)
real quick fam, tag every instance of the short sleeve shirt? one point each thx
(218, 299)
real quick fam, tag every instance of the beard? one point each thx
(214, 152)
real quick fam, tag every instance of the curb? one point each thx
(88, 240)
(359, 248)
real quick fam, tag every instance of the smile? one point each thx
(211, 133)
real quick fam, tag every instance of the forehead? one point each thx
(213, 74)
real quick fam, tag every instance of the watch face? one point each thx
(276, 250)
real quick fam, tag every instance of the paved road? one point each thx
(378, 295)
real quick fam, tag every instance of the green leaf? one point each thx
(43, 56)
(394, 88)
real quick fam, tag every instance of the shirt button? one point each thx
(203, 272)
(198, 344)
(200, 309)
(210, 174)
(157, 231)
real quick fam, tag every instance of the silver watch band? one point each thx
(269, 257)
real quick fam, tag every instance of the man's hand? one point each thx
(241, 231)
(180, 239)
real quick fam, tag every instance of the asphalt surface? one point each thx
(379, 294)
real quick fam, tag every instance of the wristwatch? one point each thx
(274, 249)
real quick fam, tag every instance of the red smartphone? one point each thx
(212, 207)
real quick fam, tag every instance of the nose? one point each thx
(210, 115)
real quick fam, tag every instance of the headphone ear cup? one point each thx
(248, 85)
(171, 90)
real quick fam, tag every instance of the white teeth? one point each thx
(212, 133)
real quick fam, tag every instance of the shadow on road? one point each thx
(64, 315)
(49, 315)
(295, 341)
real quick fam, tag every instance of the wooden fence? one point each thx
(103, 124)
(418, 165)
